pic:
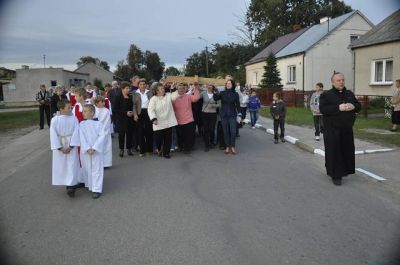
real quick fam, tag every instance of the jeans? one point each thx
(209, 120)
(281, 124)
(318, 124)
(229, 128)
(253, 117)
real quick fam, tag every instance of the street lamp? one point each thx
(200, 38)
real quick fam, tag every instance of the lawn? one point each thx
(303, 117)
(18, 120)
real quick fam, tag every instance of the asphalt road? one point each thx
(270, 204)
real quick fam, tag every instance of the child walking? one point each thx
(91, 134)
(64, 139)
(253, 106)
(314, 106)
(278, 113)
(104, 116)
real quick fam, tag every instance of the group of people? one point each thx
(148, 119)
(158, 118)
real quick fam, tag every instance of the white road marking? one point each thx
(370, 174)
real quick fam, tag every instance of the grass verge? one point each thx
(303, 117)
(17, 120)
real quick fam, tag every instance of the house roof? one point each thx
(276, 46)
(314, 35)
(386, 31)
(77, 69)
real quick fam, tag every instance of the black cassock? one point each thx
(338, 131)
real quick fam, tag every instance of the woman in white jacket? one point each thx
(162, 115)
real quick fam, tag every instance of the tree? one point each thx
(135, 59)
(154, 68)
(274, 18)
(196, 65)
(123, 71)
(95, 60)
(271, 76)
(171, 71)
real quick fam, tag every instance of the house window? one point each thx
(354, 38)
(53, 82)
(291, 74)
(382, 72)
(255, 78)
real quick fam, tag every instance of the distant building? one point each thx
(377, 58)
(95, 72)
(23, 89)
(28, 81)
(6, 74)
(310, 55)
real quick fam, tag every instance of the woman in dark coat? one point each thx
(57, 96)
(123, 111)
(229, 112)
(339, 107)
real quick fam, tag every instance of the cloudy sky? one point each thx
(66, 30)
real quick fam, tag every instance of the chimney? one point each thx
(324, 19)
(296, 27)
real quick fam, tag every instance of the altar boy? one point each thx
(104, 116)
(92, 136)
(64, 142)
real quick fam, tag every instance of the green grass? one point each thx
(18, 120)
(303, 117)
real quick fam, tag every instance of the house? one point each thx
(96, 72)
(312, 56)
(377, 58)
(28, 81)
(255, 66)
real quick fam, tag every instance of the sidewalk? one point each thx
(376, 161)
(304, 138)
(18, 109)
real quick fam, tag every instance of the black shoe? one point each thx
(186, 152)
(206, 149)
(283, 140)
(167, 156)
(79, 185)
(393, 130)
(71, 191)
(121, 153)
(129, 152)
(275, 141)
(96, 195)
(337, 181)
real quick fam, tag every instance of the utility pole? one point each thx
(200, 38)
(44, 60)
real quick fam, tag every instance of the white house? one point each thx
(320, 49)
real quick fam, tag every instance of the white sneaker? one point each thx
(253, 127)
(317, 138)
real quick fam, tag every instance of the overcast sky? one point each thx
(66, 30)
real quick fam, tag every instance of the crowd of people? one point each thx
(148, 119)
(163, 117)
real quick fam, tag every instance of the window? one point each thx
(255, 78)
(53, 82)
(382, 72)
(291, 74)
(354, 38)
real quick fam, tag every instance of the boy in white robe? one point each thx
(91, 134)
(104, 116)
(64, 142)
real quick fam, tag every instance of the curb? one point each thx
(311, 149)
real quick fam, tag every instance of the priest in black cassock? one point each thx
(339, 107)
